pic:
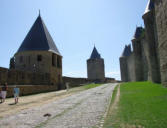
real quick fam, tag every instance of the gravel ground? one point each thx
(82, 110)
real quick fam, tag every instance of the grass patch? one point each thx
(89, 86)
(142, 104)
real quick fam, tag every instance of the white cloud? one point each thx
(113, 74)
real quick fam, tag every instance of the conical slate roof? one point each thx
(38, 39)
(127, 51)
(95, 54)
(149, 6)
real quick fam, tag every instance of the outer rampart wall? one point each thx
(161, 24)
(124, 69)
(31, 89)
(131, 68)
(23, 78)
(75, 82)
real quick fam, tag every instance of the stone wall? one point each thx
(134, 67)
(145, 70)
(31, 89)
(76, 82)
(23, 78)
(95, 69)
(151, 46)
(161, 24)
(28, 61)
(124, 69)
(131, 68)
(40, 62)
(137, 50)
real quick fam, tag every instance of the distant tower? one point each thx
(39, 54)
(137, 51)
(95, 67)
(125, 76)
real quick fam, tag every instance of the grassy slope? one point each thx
(141, 104)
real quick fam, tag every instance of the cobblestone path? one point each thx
(82, 110)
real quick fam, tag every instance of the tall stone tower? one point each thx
(133, 64)
(137, 51)
(39, 54)
(160, 11)
(95, 67)
(123, 63)
(152, 52)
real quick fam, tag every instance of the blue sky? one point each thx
(75, 25)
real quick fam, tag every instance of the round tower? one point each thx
(95, 67)
(123, 63)
(152, 42)
(39, 54)
(137, 50)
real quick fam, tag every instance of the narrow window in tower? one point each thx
(39, 58)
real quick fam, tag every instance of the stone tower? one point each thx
(39, 54)
(123, 63)
(152, 53)
(133, 64)
(160, 11)
(137, 51)
(95, 67)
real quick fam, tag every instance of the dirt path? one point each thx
(115, 103)
(31, 101)
(83, 109)
(112, 110)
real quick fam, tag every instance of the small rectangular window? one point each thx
(39, 58)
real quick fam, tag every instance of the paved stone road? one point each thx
(82, 110)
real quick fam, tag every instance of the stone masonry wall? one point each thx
(50, 63)
(131, 68)
(135, 66)
(144, 60)
(95, 69)
(27, 61)
(137, 51)
(124, 69)
(24, 78)
(76, 82)
(152, 47)
(161, 24)
(31, 89)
